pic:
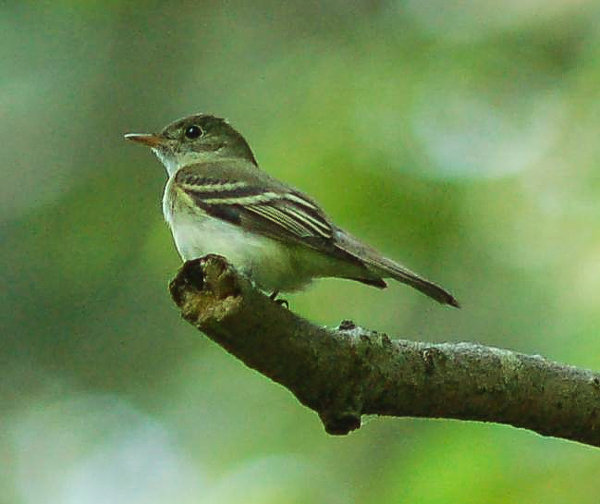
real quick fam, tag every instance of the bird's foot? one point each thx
(280, 302)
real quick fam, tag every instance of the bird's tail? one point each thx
(404, 275)
(386, 268)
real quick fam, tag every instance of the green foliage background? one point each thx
(458, 137)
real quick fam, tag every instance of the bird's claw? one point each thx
(280, 302)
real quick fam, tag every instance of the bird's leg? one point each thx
(273, 297)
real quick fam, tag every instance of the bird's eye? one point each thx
(193, 132)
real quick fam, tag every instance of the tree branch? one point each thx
(347, 372)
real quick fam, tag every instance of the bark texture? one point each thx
(348, 371)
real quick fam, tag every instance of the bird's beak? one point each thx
(148, 139)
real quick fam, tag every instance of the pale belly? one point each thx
(267, 262)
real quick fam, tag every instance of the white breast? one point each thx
(266, 261)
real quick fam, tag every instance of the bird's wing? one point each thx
(279, 213)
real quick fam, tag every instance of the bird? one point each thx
(218, 201)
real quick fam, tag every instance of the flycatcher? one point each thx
(217, 200)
